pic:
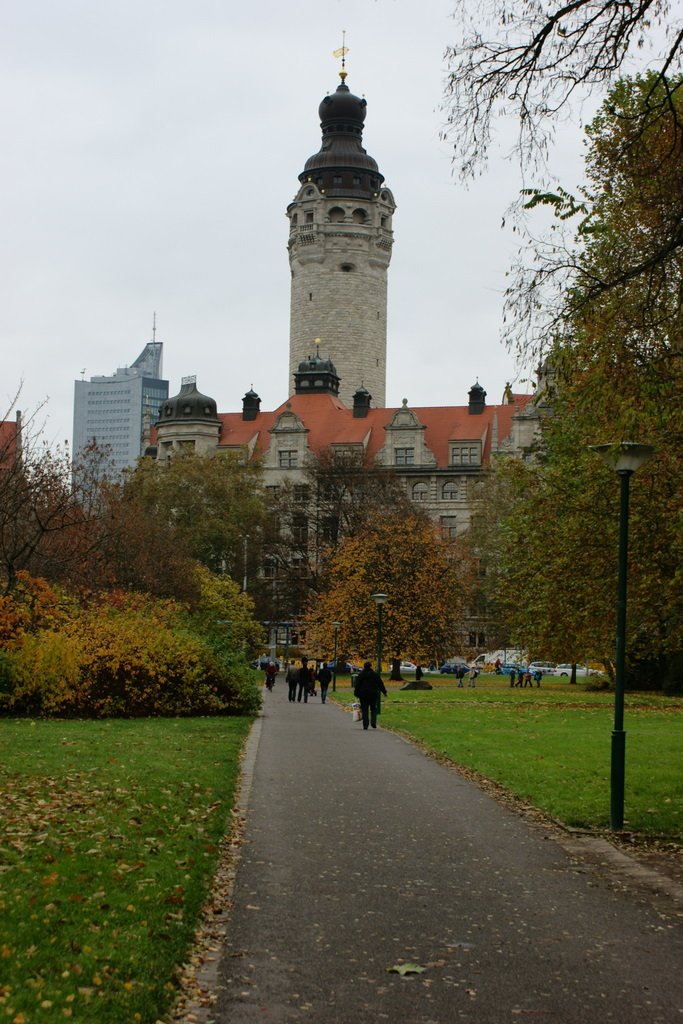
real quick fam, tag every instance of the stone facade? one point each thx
(340, 241)
(339, 253)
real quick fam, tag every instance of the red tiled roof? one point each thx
(330, 422)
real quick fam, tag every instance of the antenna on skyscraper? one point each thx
(154, 328)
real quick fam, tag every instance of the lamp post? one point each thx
(380, 600)
(624, 458)
(336, 626)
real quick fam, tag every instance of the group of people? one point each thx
(301, 684)
(524, 677)
(301, 681)
(471, 673)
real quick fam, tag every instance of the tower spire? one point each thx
(341, 52)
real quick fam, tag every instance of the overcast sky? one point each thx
(150, 148)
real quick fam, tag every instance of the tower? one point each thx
(340, 239)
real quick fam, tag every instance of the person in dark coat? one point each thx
(292, 678)
(305, 681)
(324, 678)
(367, 688)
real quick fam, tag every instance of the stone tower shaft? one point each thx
(340, 242)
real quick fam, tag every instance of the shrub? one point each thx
(32, 605)
(134, 660)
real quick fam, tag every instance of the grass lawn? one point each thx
(108, 841)
(551, 746)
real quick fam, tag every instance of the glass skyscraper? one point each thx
(117, 412)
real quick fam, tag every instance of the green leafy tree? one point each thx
(617, 363)
(211, 504)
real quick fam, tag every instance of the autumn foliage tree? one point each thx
(619, 376)
(425, 577)
(49, 511)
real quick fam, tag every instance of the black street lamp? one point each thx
(380, 600)
(624, 458)
(336, 626)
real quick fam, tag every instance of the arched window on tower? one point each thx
(359, 216)
(336, 215)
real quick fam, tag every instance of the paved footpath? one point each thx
(362, 853)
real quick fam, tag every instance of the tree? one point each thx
(138, 552)
(49, 509)
(305, 523)
(223, 608)
(628, 241)
(425, 576)
(210, 504)
(528, 63)
(619, 368)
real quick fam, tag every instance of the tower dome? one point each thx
(316, 376)
(188, 422)
(188, 404)
(341, 162)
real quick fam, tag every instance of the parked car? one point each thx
(581, 670)
(343, 668)
(408, 666)
(546, 668)
(508, 666)
(452, 664)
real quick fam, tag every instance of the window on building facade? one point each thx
(302, 493)
(404, 456)
(449, 491)
(272, 492)
(300, 530)
(420, 492)
(299, 567)
(466, 455)
(329, 528)
(269, 569)
(288, 459)
(449, 527)
(348, 456)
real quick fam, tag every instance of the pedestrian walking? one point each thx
(367, 688)
(324, 678)
(472, 676)
(418, 672)
(292, 678)
(305, 681)
(460, 674)
(513, 676)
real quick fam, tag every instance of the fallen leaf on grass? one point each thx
(406, 969)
